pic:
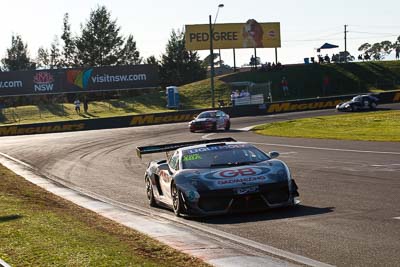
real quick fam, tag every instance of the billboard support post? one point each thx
(276, 55)
(211, 64)
(211, 32)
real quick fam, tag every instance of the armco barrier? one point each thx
(184, 116)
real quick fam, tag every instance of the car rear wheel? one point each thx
(149, 192)
(177, 201)
(228, 126)
(214, 126)
(372, 105)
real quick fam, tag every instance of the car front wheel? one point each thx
(227, 126)
(177, 201)
(149, 192)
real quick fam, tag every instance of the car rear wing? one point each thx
(140, 150)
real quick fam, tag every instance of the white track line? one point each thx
(318, 148)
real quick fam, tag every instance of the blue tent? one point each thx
(327, 46)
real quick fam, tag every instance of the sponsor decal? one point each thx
(164, 176)
(43, 81)
(214, 148)
(191, 195)
(191, 157)
(396, 97)
(79, 78)
(106, 78)
(154, 119)
(11, 84)
(17, 130)
(282, 107)
(242, 180)
(247, 190)
(238, 175)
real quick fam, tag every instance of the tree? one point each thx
(43, 58)
(129, 54)
(151, 60)
(17, 56)
(100, 42)
(179, 66)
(69, 53)
(377, 51)
(55, 55)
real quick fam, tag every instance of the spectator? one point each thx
(233, 98)
(327, 59)
(285, 86)
(397, 52)
(85, 105)
(77, 104)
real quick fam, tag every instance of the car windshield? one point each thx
(213, 156)
(206, 115)
(357, 99)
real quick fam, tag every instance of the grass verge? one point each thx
(41, 229)
(365, 126)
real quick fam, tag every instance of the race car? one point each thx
(360, 102)
(217, 176)
(211, 120)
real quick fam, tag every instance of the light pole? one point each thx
(212, 55)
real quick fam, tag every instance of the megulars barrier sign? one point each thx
(56, 81)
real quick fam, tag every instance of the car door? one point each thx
(167, 175)
(220, 119)
(365, 102)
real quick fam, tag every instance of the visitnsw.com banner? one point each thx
(57, 81)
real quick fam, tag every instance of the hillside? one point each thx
(305, 81)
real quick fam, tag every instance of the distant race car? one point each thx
(360, 102)
(217, 176)
(210, 121)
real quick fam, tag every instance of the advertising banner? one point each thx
(234, 35)
(57, 81)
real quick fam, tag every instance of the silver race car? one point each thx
(217, 176)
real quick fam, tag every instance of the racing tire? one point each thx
(177, 201)
(149, 192)
(372, 105)
(353, 108)
(227, 126)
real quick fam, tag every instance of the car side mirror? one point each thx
(274, 154)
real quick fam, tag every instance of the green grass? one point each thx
(305, 81)
(40, 229)
(366, 126)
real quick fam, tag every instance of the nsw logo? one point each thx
(43, 82)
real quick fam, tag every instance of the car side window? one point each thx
(174, 161)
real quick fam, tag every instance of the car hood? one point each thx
(345, 103)
(270, 171)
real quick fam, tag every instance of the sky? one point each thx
(305, 25)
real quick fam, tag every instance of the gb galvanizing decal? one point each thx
(238, 175)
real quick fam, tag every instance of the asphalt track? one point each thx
(349, 215)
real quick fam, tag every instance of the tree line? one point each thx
(379, 50)
(100, 43)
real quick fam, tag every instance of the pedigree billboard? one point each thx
(57, 81)
(234, 35)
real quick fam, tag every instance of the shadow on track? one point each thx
(273, 214)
